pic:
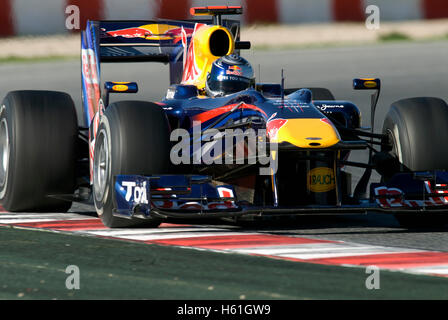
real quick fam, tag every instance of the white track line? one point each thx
(150, 236)
(440, 270)
(13, 218)
(308, 251)
(126, 232)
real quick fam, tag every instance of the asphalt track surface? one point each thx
(406, 70)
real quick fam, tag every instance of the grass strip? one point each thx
(33, 265)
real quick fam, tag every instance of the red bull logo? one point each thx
(151, 32)
(234, 70)
(191, 70)
(129, 33)
(273, 126)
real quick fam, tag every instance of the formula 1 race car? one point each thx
(219, 145)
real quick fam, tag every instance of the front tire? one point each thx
(132, 138)
(38, 131)
(417, 132)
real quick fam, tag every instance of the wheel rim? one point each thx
(101, 166)
(4, 152)
(393, 140)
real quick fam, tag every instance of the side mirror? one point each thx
(117, 87)
(367, 84)
(121, 87)
(244, 45)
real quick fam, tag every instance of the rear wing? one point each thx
(134, 41)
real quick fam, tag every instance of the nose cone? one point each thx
(303, 133)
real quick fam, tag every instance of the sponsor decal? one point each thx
(235, 70)
(370, 84)
(170, 95)
(293, 105)
(191, 69)
(89, 66)
(223, 77)
(120, 87)
(273, 126)
(135, 192)
(324, 106)
(89, 69)
(225, 192)
(393, 198)
(149, 32)
(321, 179)
(130, 33)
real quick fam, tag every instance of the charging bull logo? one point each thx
(321, 179)
(130, 33)
(234, 70)
(150, 32)
(273, 126)
(191, 69)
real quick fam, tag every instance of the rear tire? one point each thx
(38, 131)
(132, 138)
(417, 131)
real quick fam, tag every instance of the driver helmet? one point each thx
(229, 74)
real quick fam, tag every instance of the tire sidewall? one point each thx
(397, 132)
(103, 204)
(5, 114)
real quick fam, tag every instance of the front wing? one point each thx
(196, 196)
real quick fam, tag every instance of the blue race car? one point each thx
(219, 145)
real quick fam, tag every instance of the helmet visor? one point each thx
(228, 84)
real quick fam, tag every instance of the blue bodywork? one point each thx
(198, 195)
